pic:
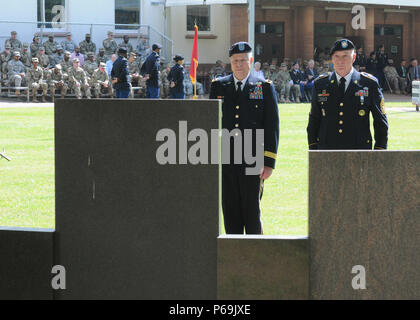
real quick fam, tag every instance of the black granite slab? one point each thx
(262, 267)
(364, 209)
(128, 227)
(26, 260)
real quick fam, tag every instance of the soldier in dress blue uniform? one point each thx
(150, 69)
(342, 103)
(176, 79)
(249, 102)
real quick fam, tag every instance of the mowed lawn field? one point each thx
(27, 182)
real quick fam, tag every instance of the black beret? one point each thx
(178, 57)
(341, 45)
(156, 46)
(240, 47)
(122, 50)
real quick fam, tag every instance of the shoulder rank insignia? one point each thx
(268, 81)
(214, 80)
(324, 75)
(368, 75)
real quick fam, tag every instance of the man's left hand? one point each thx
(266, 173)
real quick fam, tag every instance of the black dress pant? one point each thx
(241, 196)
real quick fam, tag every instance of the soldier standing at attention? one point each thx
(87, 45)
(176, 79)
(341, 104)
(248, 103)
(150, 69)
(35, 80)
(110, 45)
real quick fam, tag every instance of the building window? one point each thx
(127, 12)
(52, 12)
(326, 34)
(199, 15)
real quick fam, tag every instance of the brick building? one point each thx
(285, 28)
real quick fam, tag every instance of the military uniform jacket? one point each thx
(343, 123)
(86, 47)
(90, 67)
(54, 77)
(15, 67)
(151, 67)
(100, 77)
(34, 75)
(255, 108)
(177, 75)
(77, 75)
(120, 72)
(110, 46)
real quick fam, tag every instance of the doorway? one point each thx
(269, 41)
(391, 37)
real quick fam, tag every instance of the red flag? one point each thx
(194, 57)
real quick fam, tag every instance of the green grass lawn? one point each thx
(27, 182)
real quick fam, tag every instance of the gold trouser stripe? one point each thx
(313, 143)
(270, 155)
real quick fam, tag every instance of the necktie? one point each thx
(239, 87)
(342, 87)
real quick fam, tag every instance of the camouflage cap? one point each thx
(88, 35)
(283, 64)
(101, 50)
(110, 33)
(76, 60)
(273, 67)
(133, 54)
(51, 36)
(35, 60)
(16, 54)
(90, 54)
(67, 53)
(58, 66)
(102, 64)
(25, 45)
(13, 32)
(265, 64)
(68, 34)
(41, 49)
(59, 47)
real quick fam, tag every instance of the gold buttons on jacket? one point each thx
(341, 104)
(237, 107)
(340, 122)
(236, 125)
(341, 114)
(341, 130)
(237, 116)
(362, 112)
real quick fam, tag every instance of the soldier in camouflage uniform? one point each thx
(110, 45)
(5, 57)
(25, 56)
(44, 60)
(100, 57)
(35, 45)
(50, 46)
(66, 64)
(189, 86)
(87, 45)
(15, 44)
(68, 44)
(57, 57)
(35, 80)
(266, 70)
(16, 71)
(100, 79)
(90, 66)
(284, 83)
(219, 70)
(273, 76)
(126, 44)
(78, 80)
(395, 81)
(134, 69)
(164, 85)
(56, 81)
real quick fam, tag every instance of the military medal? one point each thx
(256, 93)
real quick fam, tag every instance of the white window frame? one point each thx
(129, 31)
(66, 12)
(191, 32)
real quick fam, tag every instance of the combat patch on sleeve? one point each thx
(324, 75)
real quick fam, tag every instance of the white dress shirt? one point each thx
(347, 77)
